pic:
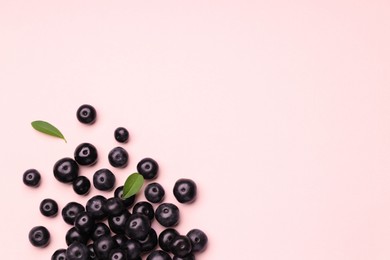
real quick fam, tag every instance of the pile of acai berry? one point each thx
(118, 227)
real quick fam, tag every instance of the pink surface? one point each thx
(279, 110)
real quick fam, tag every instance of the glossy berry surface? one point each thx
(118, 157)
(85, 154)
(91, 252)
(59, 254)
(190, 256)
(81, 185)
(39, 236)
(167, 214)
(148, 168)
(48, 207)
(66, 170)
(126, 202)
(166, 237)
(70, 211)
(75, 235)
(99, 230)
(159, 255)
(181, 246)
(185, 190)
(198, 240)
(121, 134)
(154, 192)
(132, 248)
(145, 208)
(103, 245)
(113, 206)
(137, 226)
(149, 242)
(84, 222)
(86, 114)
(118, 223)
(103, 179)
(117, 254)
(31, 178)
(95, 207)
(77, 251)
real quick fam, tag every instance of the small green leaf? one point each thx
(47, 128)
(133, 184)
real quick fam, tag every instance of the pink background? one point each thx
(279, 110)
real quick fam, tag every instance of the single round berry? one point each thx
(159, 255)
(100, 230)
(154, 192)
(190, 256)
(59, 254)
(165, 238)
(137, 226)
(70, 211)
(104, 179)
(149, 242)
(121, 134)
(86, 114)
(118, 223)
(145, 208)
(118, 157)
(39, 236)
(66, 170)
(117, 254)
(198, 240)
(95, 207)
(148, 168)
(77, 251)
(103, 245)
(81, 185)
(181, 246)
(120, 239)
(167, 214)
(132, 248)
(113, 207)
(31, 178)
(73, 235)
(48, 207)
(84, 222)
(185, 190)
(128, 202)
(85, 154)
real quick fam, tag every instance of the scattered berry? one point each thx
(81, 185)
(154, 192)
(104, 179)
(85, 154)
(77, 251)
(66, 170)
(118, 157)
(181, 246)
(86, 114)
(48, 207)
(70, 211)
(167, 214)
(121, 134)
(198, 240)
(185, 190)
(39, 236)
(31, 178)
(148, 168)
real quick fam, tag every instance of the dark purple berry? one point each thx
(70, 211)
(198, 240)
(167, 214)
(66, 170)
(181, 246)
(137, 226)
(149, 242)
(185, 190)
(133, 249)
(77, 251)
(104, 179)
(84, 222)
(118, 223)
(154, 192)
(59, 254)
(91, 252)
(48, 207)
(159, 255)
(148, 168)
(126, 202)
(190, 256)
(81, 185)
(31, 178)
(165, 238)
(145, 208)
(120, 239)
(117, 254)
(121, 134)
(118, 157)
(73, 234)
(85, 154)
(39, 236)
(86, 114)
(95, 207)
(100, 230)
(113, 207)
(103, 245)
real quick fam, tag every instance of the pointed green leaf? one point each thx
(47, 128)
(133, 184)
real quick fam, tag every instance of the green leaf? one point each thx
(47, 128)
(133, 184)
